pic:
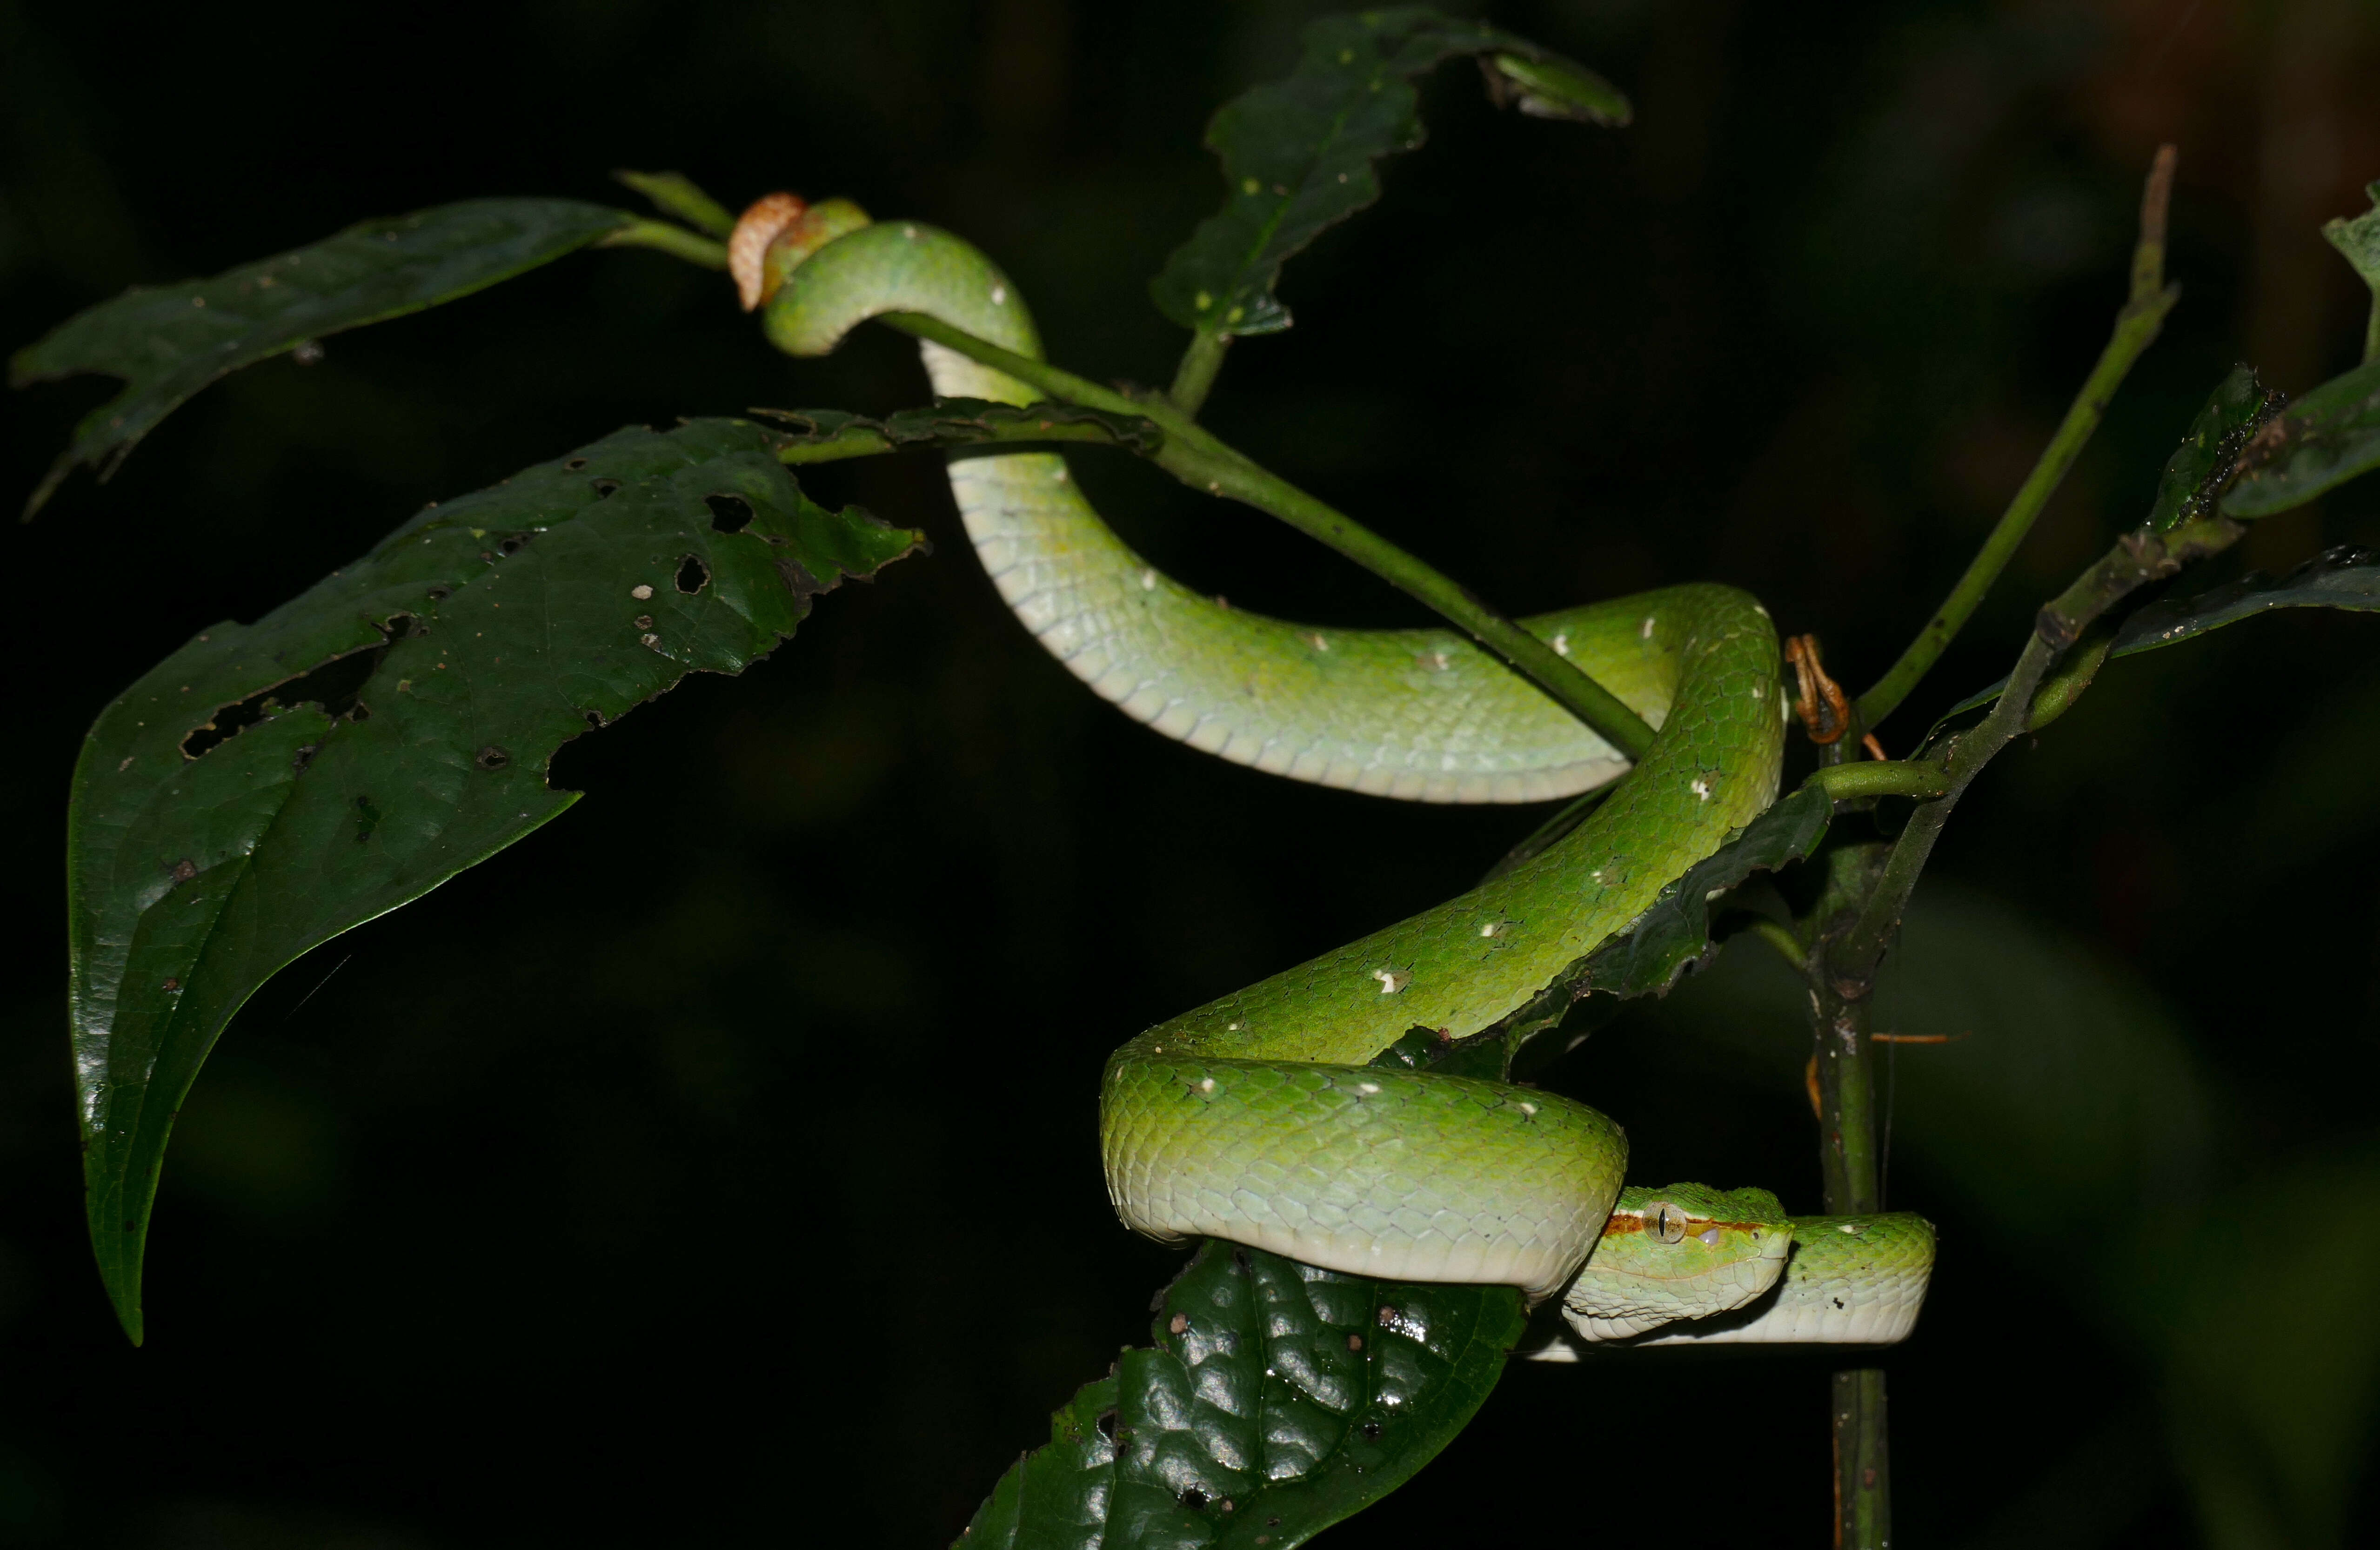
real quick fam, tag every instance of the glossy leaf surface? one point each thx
(1298, 153)
(271, 785)
(2201, 469)
(167, 342)
(2324, 439)
(1278, 1399)
(2345, 577)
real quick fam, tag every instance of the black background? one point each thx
(717, 1165)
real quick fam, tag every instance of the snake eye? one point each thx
(1666, 1222)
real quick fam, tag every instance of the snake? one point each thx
(1268, 1118)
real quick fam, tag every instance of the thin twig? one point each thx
(2136, 327)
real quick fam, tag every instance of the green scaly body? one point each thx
(1255, 1117)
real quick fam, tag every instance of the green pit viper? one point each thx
(1257, 1118)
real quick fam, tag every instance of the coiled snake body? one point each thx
(1255, 1117)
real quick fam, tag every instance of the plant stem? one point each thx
(1891, 777)
(674, 240)
(1867, 891)
(1201, 461)
(1200, 361)
(2138, 558)
(2136, 327)
(1863, 1463)
(864, 441)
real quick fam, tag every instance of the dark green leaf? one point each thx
(168, 342)
(1278, 1399)
(2201, 468)
(673, 193)
(271, 785)
(2324, 439)
(1298, 153)
(1675, 933)
(827, 435)
(2345, 577)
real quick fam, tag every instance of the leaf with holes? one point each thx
(1278, 1401)
(2322, 441)
(169, 341)
(270, 785)
(1298, 153)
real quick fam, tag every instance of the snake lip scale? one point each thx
(1258, 1117)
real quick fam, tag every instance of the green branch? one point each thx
(2136, 327)
(1196, 375)
(1897, 777)
(1204, 462)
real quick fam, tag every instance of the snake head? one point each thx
(775, 233)
(1681, 1252)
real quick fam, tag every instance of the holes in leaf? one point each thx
(491, 758)
(605, 488)
(594, 718)
(513, 544)
(1194, 1498)
(576, 464)
(693, 574)
(1371, 1430)
(729, 513)
(333, 685)
(1107, 1423)
(440, 594)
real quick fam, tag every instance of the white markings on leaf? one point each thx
(1392, 979)
(1148, 580)
(640, 593)
(1060, 476)
(1645, 631)
(1206, 1084)
(1562, 644)
(1700, 787)
(1528, 1108)
(1366, 1089)
(999, 296)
